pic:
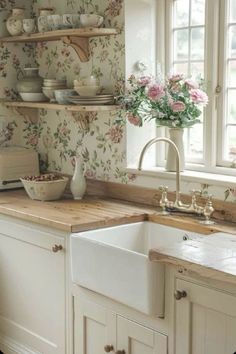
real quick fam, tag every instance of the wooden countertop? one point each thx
(213, 257)
(70, 215)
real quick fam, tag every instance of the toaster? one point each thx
(16, 162)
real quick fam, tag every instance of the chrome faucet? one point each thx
(167, 205)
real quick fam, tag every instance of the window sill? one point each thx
(188, 176)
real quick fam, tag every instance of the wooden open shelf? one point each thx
(29, 110)
(77, 38)
(61, 107)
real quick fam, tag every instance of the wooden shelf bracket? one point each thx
(80, 45)
(29, 113)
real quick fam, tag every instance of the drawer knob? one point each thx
(108, 348)
(57, 248)
(180, 294)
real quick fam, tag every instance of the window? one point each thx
(201, 41)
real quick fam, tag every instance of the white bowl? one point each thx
(62, 95)
(45, 190)
(33, 97)
(87, 81)
(87, 90)
(50, 91)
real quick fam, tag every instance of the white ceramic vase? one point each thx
(176, 135)
(15, 22)
(78, 182)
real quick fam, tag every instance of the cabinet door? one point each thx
(205, 321)
(32, 296)
(94, 327)
(133, 338)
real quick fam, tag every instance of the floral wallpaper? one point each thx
(57, 135)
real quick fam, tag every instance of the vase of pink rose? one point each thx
(175, 102)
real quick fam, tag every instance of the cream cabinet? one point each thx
(98, 330)
(205, 320)
(32, 296)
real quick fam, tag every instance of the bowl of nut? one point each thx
(45, 187)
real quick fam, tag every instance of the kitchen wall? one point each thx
(57, 135)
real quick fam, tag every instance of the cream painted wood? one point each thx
(136, 339)
(32, 299)
(94, 327)
(205, 320)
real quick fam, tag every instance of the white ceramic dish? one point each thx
(46, 190)
(62, 96)
(49, 92)
(33, 97)
(87, 90)
(91, 20)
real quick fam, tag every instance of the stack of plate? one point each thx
(92, 100)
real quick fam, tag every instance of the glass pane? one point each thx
(197, 44)
(181, 68)
(232, 42)
(181, 13)
(231, 106)
(231, 143)
(198, 12)
(232, 74)
(232, 10)
(197, 70)
(194, 138)
(181, 44)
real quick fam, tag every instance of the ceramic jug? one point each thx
(78, 182)
(43, 25)
(15, 22)
(31, 83)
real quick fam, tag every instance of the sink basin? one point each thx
(114, 262)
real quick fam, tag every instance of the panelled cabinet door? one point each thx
(133, 338)
(32, 296)
(205, 321)
(94, 328)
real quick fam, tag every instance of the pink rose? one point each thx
(199, 96)
(191, 84)
(178, 106)
(155, 92)
(135, 120)
(176, 77)
(144, 81)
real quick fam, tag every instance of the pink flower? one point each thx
(135, 120)
(144, 81)
(176, 77)
(178, 106)
(191, 84)
(155, 92)
(199, 96)
(115, 134)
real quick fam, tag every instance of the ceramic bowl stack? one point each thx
(51, 85)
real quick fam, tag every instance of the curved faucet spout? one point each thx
(170, 142)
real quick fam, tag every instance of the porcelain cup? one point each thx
(29, 25)
(91, 20)
(70, 20)
(56, 22)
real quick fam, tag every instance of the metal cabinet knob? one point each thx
(57, 248)
(120, 352)
(108, 348)
(180, 294)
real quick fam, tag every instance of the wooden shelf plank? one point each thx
(60, 107)
(59, 34)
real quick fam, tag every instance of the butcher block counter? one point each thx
(95, 212)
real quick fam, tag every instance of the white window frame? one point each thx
(211, 171)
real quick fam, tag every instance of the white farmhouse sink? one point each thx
(114, 262)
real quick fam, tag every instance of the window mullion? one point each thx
(211, 77)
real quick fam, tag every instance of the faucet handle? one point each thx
(195, 192)
(208, 211)
(164, 202)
